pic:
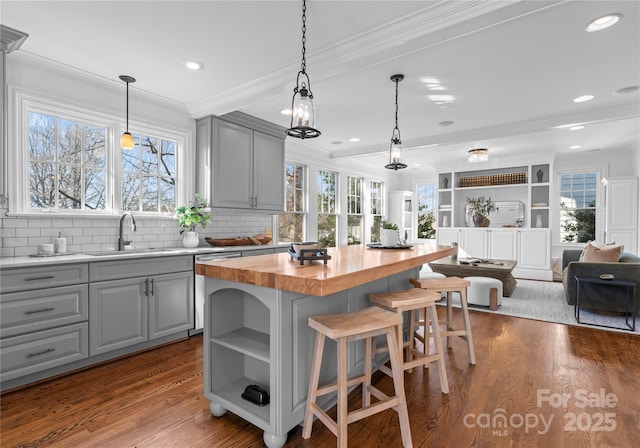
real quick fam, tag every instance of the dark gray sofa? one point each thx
(599, 297)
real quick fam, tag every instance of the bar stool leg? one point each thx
(342, 393)
(449, 317)
(314, 381)
(395, 356)
(437, 342)
(467, 326)
(369, 353)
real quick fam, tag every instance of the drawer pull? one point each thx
(33, 279)
(43, 310)
(44, 352)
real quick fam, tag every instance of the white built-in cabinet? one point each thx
(621, 211)
(240, 162)
(400, 212)
(531, 248)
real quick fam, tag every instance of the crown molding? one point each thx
(11, 39)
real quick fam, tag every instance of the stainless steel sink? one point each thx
(123, 252)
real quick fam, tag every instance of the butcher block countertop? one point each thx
(349, 266)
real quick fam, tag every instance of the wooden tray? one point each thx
(240, 241)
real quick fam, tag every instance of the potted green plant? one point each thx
(388, 233)
(480, 207)
(190, 217)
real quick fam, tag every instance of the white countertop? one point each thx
(28, 260)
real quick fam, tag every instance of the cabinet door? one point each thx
(268, 172)
(117, 314)
(533, 249)
(170, 304)
(447, 236)
(474, 242)
(232, 165)
(502, 245)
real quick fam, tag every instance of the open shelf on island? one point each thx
(247, 341)
(230, 396)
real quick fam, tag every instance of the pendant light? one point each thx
(302, 109)
(395, 150)
(126, 140)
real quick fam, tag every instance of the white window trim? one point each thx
(557, 211)
(23, 101)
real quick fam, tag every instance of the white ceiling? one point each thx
(513, 67)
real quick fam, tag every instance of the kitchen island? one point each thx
(256, 328)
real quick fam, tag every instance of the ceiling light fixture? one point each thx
(603, 22)
(303, 111)
(395, 150)
(625, 90)
(576, 128)
(126, 140)
(478, 155)
(193, 65)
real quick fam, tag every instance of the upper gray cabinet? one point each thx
(240, 162)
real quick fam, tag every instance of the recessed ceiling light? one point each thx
(444, 98)
(355, 139)
(436, 87)
(576, 128)
(430, 80)
(603, 22)
(583, 98)
(445, 123)
(575, 147)
(193, 65)
(625, 90)
(285, 111)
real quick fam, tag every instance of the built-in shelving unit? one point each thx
(240, 353)
(527, 183)
(401, 212)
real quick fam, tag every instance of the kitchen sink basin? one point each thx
(123, 252)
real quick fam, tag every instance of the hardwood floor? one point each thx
(524, 367)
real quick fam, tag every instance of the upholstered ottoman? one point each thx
(479, 292)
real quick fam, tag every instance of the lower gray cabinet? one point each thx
(130, 311)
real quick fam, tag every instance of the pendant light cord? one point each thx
(128, 108)
(304, 37)
(397, 81)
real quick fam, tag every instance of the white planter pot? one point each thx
(190, 239)
(389, 237)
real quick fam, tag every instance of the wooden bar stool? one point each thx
(413, 300)
(451, 285)
(367, 324)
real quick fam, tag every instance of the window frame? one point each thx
(361, 199)
(23, 102)
(305, 199)
(599, 209)
(336, 194)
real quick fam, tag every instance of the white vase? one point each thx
(445, 221)
(538, 221)
(190, 239)
(389, 237)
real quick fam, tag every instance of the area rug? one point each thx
(545, 301)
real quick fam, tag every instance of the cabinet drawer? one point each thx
(24, 279)
(30, 353)
(140, 267)
(29, 311)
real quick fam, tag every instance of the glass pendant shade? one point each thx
(126, 141)
(303, 110)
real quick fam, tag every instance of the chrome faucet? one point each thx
(121, 241)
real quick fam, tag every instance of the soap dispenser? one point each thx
(60, 244)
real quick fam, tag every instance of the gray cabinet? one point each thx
(139, 306)
(43, 319)
(240, 162)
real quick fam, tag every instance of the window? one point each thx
(376, 209)
(67, 163)
(354, 210)
(327, 208)
(578, 206)
(291, 223)
(149, 175)
(427, 205)
(70, 161)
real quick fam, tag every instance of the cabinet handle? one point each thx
(33, 279)
(49, 350)
(43, 310)
(151, 286)
(146, 287)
